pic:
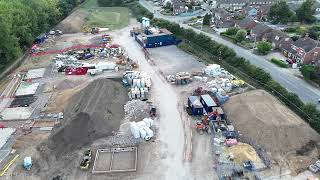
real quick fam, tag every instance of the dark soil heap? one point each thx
(94, 112)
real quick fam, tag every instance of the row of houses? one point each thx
(304, 50)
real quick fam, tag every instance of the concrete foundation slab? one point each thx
(5, 134)
(115, 160)
(35, 73)
(25, 89)
(18, 113)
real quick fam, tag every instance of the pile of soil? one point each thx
(68, 84)
(93, 113)
(262, 118)
(72, 23)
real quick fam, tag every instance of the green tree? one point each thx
(264, 47)
(168, 5)
(232, 31)
(280, 13)
(306, 11)
(307, 71)
(241, 35)
(207, 19)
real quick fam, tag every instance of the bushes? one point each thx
(264, 47)
(279, 63)
(210, 51)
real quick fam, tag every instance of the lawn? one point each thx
(106, 17)
(109, 17)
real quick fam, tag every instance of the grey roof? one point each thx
(178, 3)
(259, 29)
(195, 101)
(244, 22)
(208, 100)
(306, 43)
(275, 35)
(231, 1)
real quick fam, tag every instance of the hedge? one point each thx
(279, 63)
(212, 52)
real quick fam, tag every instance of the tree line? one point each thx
(210, 51)
(21, 21)
(281, 13)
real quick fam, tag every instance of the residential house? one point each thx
(250, 11)
(178, 6)
(241, 4)
(259, 31)
(275, 37)
(231, 4)
(304, 51)
(246, 23)
(223, 19)
(263, 11)
(285, 43)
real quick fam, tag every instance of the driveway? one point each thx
(306, 92)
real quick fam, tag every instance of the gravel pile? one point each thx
(136, 110)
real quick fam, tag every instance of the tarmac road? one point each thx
(306, 92)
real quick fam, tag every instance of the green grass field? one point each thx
(110, 17)
(107, 17)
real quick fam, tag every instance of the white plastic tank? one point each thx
(138, 83)
(135, 130)
(214, 90)
(142, 93)
(143, 83)
(141, 124)
(148, 121)
(143, 133)
(134, 82)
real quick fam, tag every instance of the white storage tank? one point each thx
(148, 121)
(143, 133)
(135, 130)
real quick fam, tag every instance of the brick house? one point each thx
(304, 51)
(275, 37)
(178, 7)
(259, 31)
(223, 19)
(246, 23)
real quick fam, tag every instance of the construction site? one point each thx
(127, 103)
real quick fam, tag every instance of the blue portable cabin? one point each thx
(195, 105)
(207, 102)
(163, 38)
(40, 39)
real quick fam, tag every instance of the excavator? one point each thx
(203, 125)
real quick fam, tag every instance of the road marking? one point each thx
(6, 167)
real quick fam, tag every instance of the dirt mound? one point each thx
(73, 23)
(68, 84)
(261, 117)
(94, 112)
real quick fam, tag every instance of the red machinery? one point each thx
(76, 71)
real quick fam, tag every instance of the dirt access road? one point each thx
(171, 130)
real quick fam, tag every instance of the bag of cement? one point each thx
(135, 130)
(143, 133)
(141, 124)
(148, 121)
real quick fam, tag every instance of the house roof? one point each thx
(285, 43)
(178, 3)
(208, 100)
(245, 22)
(195, 101)
(275, 36)
(231, 1)
(306, 43)
(259, 29)
(249, 8)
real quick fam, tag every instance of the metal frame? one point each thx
(113, 151)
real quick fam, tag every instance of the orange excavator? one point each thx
(203, 125)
